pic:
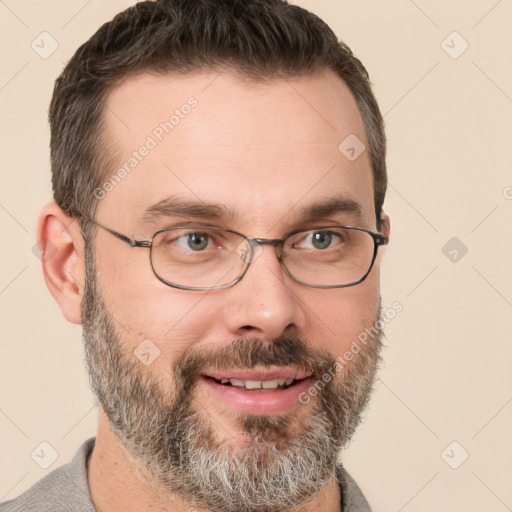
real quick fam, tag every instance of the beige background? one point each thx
(447, 366)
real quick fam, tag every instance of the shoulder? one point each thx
(65, 489)
(353, 499)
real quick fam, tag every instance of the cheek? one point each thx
(143, 308)
(337, 317)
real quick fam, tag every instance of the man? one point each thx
(218, 172)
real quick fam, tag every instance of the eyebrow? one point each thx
(175, 206)
(331, 207)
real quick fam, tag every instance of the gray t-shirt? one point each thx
(66, 489)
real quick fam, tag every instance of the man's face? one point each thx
(263, 153)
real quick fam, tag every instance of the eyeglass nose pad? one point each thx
(249, 250)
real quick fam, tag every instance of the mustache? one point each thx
(247, 353)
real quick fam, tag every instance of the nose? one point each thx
(265, 303)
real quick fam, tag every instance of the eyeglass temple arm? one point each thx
(130, 241)
(380, 239)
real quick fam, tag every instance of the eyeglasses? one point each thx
(210, 258)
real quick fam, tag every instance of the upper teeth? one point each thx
(258, 384)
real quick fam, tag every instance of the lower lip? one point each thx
(256, 401)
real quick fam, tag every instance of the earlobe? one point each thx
(61, 251)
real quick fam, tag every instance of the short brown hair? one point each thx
(256, 39)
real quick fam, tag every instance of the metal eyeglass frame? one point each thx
(378, 240)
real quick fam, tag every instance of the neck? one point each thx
(117, 486)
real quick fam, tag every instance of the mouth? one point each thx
(258, 391)
(263, 385)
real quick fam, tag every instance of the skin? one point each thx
(263, 150)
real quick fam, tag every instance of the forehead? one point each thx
(262, 150)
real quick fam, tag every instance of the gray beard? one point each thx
(173, 444)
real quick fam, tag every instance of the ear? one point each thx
(61, 250)
(385, 225)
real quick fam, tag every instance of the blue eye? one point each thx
(319, 240)
(194, 241)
